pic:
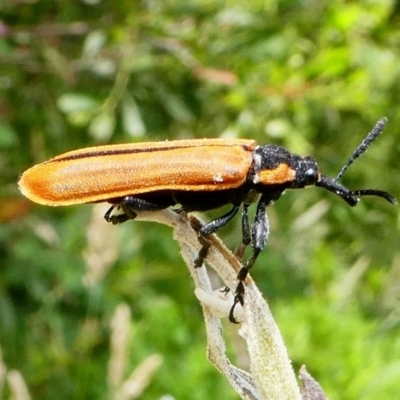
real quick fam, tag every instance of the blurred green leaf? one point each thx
(131, 117)
(93, 43)
(73, 102)
(102, 125)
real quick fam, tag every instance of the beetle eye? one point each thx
(310, 177)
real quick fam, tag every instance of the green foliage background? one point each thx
(312, 76)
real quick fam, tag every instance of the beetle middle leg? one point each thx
(209, 228)
(246, 235)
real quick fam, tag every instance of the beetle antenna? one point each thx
(335, 187)
(373, 192)
(378, 128)
(352, 197)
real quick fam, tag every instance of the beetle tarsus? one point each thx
(116, 219)
(225, 290)
(127, 214)
(198, 262)
(238, 299)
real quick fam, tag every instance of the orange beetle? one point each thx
(199, 175)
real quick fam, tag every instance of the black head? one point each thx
(276, 167)
(307, 172)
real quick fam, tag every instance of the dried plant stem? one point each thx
(271, 375)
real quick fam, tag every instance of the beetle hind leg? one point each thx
(130, 204)
(209, 228)
(116, 219)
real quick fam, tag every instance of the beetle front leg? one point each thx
(259, 233)
(259, 237)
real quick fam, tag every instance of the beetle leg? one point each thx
(259, 233)
(216, 224)
(130, 204)
(208, 229)
(246, 237)
(205, 245)
(115, 219)
(259, 237)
